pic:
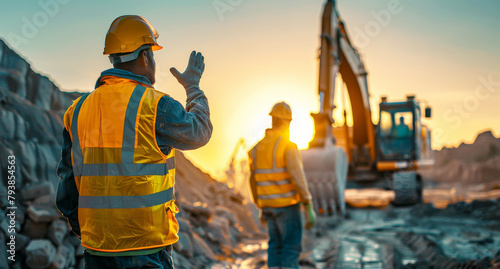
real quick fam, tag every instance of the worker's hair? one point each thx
(127, 65)
(280, 123)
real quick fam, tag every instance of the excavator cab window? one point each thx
(404, 126)
(396, 133)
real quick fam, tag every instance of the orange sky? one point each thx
(260, 52)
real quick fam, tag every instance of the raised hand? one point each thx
(194, 70)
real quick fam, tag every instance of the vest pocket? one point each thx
(173, 226)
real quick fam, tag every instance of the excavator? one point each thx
(366, 155)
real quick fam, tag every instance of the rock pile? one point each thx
(469, 164)
(213, 218)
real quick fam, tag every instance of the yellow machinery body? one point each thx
(386, 154)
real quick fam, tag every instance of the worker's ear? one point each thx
(143, 58)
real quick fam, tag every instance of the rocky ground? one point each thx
(464, 235)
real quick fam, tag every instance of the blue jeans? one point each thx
(161, 259)
(285, 236)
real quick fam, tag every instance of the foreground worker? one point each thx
(278, 186)
(117, 168)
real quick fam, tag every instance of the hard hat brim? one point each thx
(156, 47)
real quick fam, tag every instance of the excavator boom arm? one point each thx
(338, 56)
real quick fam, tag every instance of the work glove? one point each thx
(310, 215)
(192, 75)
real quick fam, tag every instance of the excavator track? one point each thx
(407, 188)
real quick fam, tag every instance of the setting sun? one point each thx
(302, 127)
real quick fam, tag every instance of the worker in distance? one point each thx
(279, 187)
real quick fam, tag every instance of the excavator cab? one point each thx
(402, 138)
(403, 146)
(396, 131)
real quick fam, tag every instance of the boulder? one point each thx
(25, 152)
(45, 201)
(218, 231)
(184, 225)
(12, 124)
(4, 225)
(3, 252)
(43, 213)
(184, 245)
(225, 212)
(18, 226)
(40, 254)
(57, 231)
(3, 193)
(21, 241)
(201, 248)
(62, 258)
(38, 190)
(35, 230)
(201, 211)
(72, 250)
(20, 213)
(180, 261)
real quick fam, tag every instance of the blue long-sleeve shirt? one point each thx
(176, 128)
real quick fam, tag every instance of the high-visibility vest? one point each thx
(125, 182)
(273, 182)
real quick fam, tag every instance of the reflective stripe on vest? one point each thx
(129, 126)
(274, 183)
(114, 202)
(126, 168)
(77, 151)
(278, 195)
(125, 182)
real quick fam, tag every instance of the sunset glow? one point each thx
(263, 52)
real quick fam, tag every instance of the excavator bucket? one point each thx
(326, 173)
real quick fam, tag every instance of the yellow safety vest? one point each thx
(273, 182)
(125, 182)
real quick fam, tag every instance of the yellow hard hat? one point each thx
(281, 110)
(128, 33)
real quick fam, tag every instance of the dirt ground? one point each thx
(463, 235)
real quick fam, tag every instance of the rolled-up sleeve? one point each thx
(183, 129)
